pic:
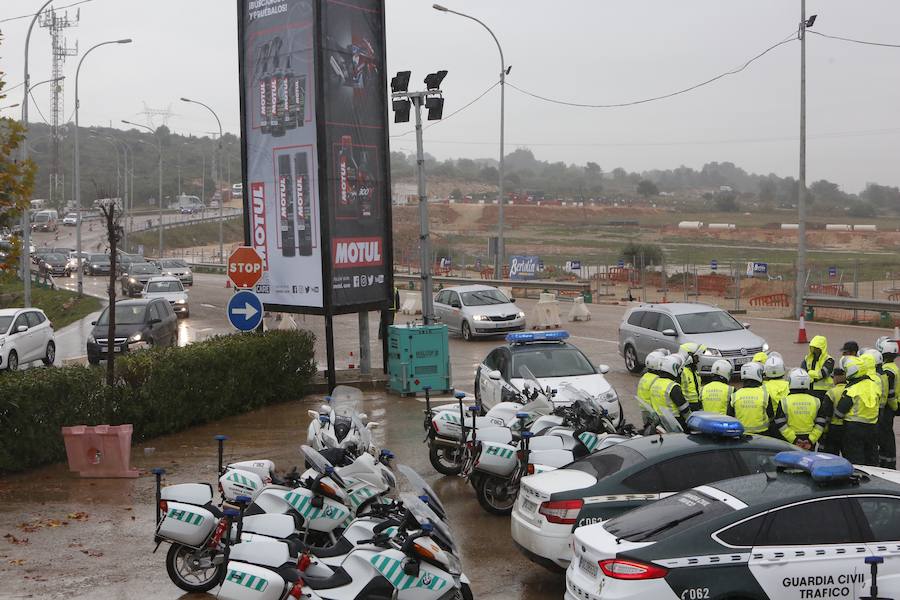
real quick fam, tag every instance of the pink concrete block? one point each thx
(99, 451)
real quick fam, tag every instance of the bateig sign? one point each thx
(523, 267)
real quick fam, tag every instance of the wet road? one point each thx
(107, 554)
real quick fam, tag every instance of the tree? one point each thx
(16, 180)
(767, 192)
(456, 194)
(114, 232)
(726, 202)
(641, 254)
(489, 175)
(647, 188)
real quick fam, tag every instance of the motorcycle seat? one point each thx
(337, 579)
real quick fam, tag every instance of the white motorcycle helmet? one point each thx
(774, 367)
(852, 365)
(798, 379)
(672, 364)
(722, 368)
(653, 360)
(886, 345)
(879, 359)
(752, 371)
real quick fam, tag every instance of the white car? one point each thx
(169, 289)
(477, 310)
(71, 219)
(554, 362)
(26, 335)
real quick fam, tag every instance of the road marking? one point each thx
(592, 339)
(208, 306)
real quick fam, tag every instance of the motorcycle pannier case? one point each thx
(187, 524)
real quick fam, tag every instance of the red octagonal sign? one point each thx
(245, 267)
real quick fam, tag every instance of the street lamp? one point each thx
(160, 199)
(9, 106)
(218, 174)
(26, 223)
(504, 71)
(78, 163)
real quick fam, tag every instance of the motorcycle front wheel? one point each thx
(494, 495)
(446, 460)
(192, 570)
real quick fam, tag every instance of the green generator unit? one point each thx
(418, 356)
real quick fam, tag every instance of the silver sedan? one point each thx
(477, 310)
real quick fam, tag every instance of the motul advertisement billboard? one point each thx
(314, 136)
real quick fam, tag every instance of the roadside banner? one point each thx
(523, 267)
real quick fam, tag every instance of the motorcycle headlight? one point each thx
(521, 314)
(711, 352)
(765, 347)
(610, 396)
(135, 338)
(479, 318)
(453, 564)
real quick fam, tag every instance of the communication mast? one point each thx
(56, 24)
(151, 115)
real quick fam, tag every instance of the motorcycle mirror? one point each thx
(495, 375)
(604, 369)
(312, 414)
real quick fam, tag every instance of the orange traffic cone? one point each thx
(801, 333)
(350, 364)
(227, 284)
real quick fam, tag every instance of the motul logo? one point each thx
(359, 252)
(344, 199)
(301, 204)
(258, 219)
(282, 196)
(262, 98)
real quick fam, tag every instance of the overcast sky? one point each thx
(587, 51)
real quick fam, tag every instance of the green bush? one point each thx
(159, 391)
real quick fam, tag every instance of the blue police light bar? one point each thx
(522, 337)
(821, 467)
(715, 424)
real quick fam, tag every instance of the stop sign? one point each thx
(245, 267)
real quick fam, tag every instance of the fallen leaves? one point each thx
(92, 553)
(48, 523)
(14, 540)
(17, 562)
(78, 516)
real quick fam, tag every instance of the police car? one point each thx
(555, 363)
(814, 528)
(627, 475)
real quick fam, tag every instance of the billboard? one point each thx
(523, 267)
(314, 116)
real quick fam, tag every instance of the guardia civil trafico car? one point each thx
(811, 527)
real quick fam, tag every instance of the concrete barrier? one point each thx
(546, 313)
(410, 303)
(579, 311)
(99, 451)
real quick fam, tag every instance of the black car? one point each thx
(96, 264)
(54, 264)
(125, 260)
(139, 324)
(136, 276)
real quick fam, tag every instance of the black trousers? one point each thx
(887, 444)
(861, 443)
(833, 440)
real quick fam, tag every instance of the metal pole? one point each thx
(365, 359)
(855, 286)
(217, 172)
(329, 352)
(26, 221)
(801, 200)
(737, 289)
(161, 251)
(424, 240)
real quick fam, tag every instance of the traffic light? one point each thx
(401, 110)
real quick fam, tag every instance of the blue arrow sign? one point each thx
(832, 271)
(245, 311)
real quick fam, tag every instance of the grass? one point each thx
(188, 236)
(61, 306)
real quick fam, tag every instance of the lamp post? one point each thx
(78, 162)
(504, 71)
(218, 174)
(801, 183)
(160, 199)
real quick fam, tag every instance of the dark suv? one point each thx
(139, 324)
(135, 277)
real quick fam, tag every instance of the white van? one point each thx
(187, 203)
(45, 220)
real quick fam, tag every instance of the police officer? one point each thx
(819, 365)
(887, 447)
(690, 377)
(887, 444)
(833, 439)
(652, 362)
(715, 396)
(750, 404)
(858, 407)
(801, 416)
(773, 380)
(850, 348)
(760, 357)
(665, 393)
(387, 316)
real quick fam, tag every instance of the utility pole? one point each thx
(801, 184)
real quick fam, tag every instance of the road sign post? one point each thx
(245, 311)
(245, 267)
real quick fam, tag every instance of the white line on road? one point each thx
(209, 306)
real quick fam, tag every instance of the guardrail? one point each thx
(841, 302)
(172, 224)
(530, 284)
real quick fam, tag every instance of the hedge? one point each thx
(159, 391)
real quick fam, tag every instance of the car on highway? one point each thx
(176, 268)
(70, 220)
(237, 191)
(477, 310)
(124, 260)
(135, 278)
(171, 290)
(811, 526)
(628, 475)
(54, 264)
(555, 363)
(45, 220)
(647, 327)
(73, 260)
(39, 253)
(188, 210)
(26, 335)
(96, 264)
(142, 323)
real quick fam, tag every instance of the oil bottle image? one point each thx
(347, 198)
(285, 97)
(286, 206)
(364, 189)
(304, 209)
(276, 90)
(298, 100)
(262, 86)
